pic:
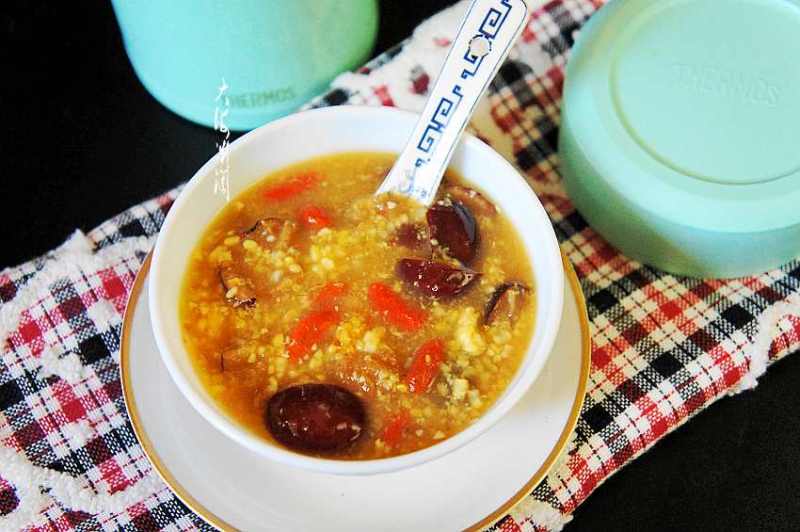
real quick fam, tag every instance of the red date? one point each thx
(272, 233)
(315, 417)
(238, 290)
(435, 279)
(506, 302)
(454, 230)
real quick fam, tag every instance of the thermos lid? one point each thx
(680, 134)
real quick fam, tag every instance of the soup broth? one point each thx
(415, 320)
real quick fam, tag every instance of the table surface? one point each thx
(83, 140)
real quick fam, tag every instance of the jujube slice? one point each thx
(269, 233)
(454, 230)
(505, 302)
(435, 279)
(272, 233)
(238, 290)
(315, 417)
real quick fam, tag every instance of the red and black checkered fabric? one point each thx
(664, 347)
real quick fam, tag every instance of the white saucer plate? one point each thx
(235, 489)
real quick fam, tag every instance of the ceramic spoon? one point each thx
(487, 33)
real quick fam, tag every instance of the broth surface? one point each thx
(313, 295)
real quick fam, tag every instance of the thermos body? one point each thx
(270, 56)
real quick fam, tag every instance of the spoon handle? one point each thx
(487, 33)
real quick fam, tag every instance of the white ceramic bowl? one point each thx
(325, 131)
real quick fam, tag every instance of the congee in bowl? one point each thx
(343, 325)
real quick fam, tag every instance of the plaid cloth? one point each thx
(665, 347)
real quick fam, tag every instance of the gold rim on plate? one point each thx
(216, 521)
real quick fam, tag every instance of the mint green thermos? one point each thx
(243, 62)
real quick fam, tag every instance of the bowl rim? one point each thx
(537, 218)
